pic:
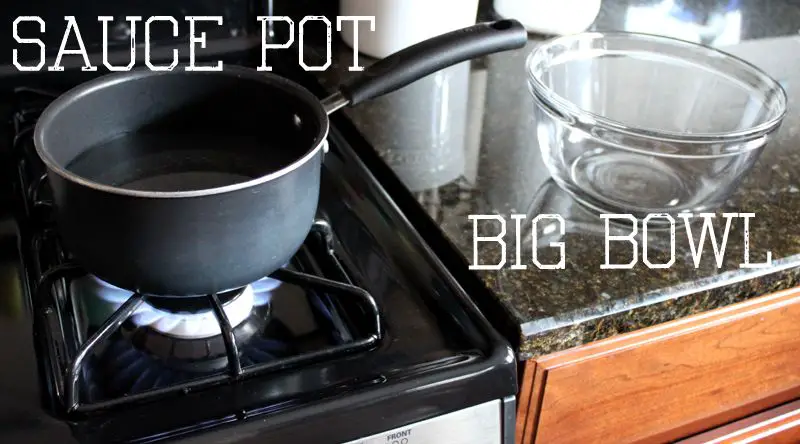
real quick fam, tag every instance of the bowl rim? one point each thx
(576, 113)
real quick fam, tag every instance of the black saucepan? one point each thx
(190, 183)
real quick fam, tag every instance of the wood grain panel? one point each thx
(669, 381)
(523, 406)
(780, 425)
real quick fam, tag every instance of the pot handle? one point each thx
(415, 62)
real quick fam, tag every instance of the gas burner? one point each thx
(181, 318)
(138, 347)
(127, 367)
(194, 354)
(171, 341)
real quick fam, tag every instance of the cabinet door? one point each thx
(669, 381)
(780, 425)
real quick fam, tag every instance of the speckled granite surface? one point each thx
(461, 141)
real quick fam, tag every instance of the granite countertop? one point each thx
(460, 140)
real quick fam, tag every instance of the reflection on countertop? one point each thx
(460, 141)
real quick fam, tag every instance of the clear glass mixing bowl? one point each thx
(639, 124)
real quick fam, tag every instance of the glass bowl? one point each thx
(639, 124)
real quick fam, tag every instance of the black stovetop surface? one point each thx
(436, 353)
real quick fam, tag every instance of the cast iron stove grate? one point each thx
(315, 269)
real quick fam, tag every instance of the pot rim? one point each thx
(63, 101)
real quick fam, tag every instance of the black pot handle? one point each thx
(424, 58)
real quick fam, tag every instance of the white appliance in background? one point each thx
(478, 78)
(767, 54)
(429, 133)
(511, 169)
(420, 130)
(402, 23)
(721, 26)
(550, 17)
(772, 56)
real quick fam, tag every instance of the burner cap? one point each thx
(185, 305)
(191, 324)
(194, 354)
(186, 318)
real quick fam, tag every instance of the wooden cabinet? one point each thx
(666, 382)
(780, 425)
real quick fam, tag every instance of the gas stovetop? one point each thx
(363, 332)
